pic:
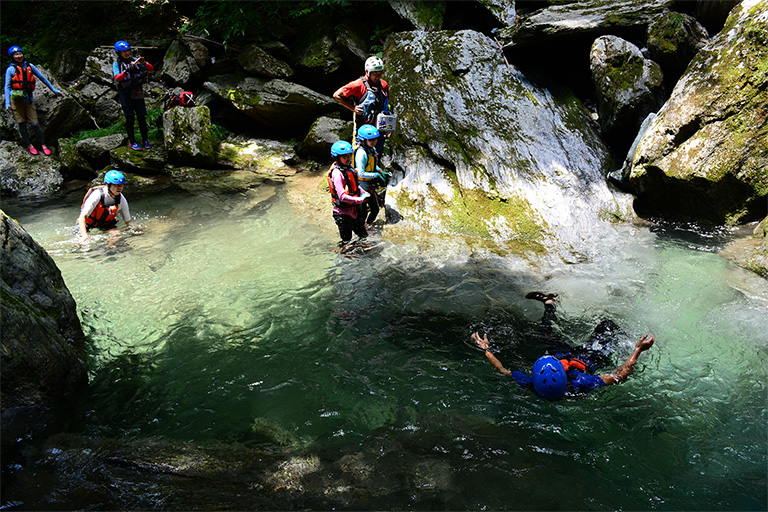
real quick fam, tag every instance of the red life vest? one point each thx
(104, 217)
(350, 184)
(573, 364)
(23, 79)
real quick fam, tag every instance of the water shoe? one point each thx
(147, 145)
(135, 146)
(32, 150)
(46, 152)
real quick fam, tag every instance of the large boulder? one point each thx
(706, 153)
(184, 59)
(26, 175)
(628, 87)
(101, 101)
(351, 40)
(98, 66)
(322, 134)
(751, 252)
(42, 341)
(259, 62)
(189, 137)
(274, 104)
(481, 151)
(673, 39)
(503, 10)
(421, 14)
(591, 17)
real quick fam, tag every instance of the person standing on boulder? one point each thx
(366, 97)
(101, 205)
(130, 74)
(19, 84)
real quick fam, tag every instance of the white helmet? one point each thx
(374, 64)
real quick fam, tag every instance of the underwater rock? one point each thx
(705, 154)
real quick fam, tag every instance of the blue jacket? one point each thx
(578, 382)
(11, 70)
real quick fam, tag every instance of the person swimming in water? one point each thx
(571, 370)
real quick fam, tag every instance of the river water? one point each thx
(234, 319)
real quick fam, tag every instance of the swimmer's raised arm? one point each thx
(625, 370)
(483, 344)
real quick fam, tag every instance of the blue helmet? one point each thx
(114, 177)
(341, 147)
(549, 379)
(368, 131)
(121, 45)
(14, 49)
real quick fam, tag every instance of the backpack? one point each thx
(184, 99)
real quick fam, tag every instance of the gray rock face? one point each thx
(260, 63)
(628, 87)
(101, 101)
(275, 104)
(422, 15)
(42, 340)
(705, 155)
(673, 40)
(323, 133)
(98, 66)
(26, 175)
(502, 10)
(189, 137)
(183, 60)
(484, 152)
(595, 17)
(751, 252)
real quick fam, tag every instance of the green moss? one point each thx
(240, 98)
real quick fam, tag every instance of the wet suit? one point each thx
(594, 353)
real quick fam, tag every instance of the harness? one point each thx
(23, 79)
(373, 158)
(104, 217)
(135, 76)
(350, 183)
(382, 99)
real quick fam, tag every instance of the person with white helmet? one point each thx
(367, 96)
(19, 84)
(570, 371)
(101, 205)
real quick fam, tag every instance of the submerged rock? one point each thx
(705, 155)
(751, 252)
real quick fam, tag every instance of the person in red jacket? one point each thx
(130, 74)
(366, 97)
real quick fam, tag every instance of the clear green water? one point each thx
(235, 311)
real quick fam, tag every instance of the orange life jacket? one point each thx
(573, 364)
(23, 79)
(104, 217)
(350, 184)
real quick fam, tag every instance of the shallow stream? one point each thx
(233, 318)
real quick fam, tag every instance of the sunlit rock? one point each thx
(484, 152)
(422, 15)
(705, 155)
(188, 136)
(323, 133)
(751, 252)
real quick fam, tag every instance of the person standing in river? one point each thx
(19, 86)
(130, 74)
(346, 194)
(366, 97)
(570, 370)
(101, 205)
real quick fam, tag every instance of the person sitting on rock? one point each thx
(101, 205)
(130, 74)
(571, 370)
(19, 84)
(346, 194)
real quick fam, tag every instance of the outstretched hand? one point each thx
(645, 342)
(480, 342)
